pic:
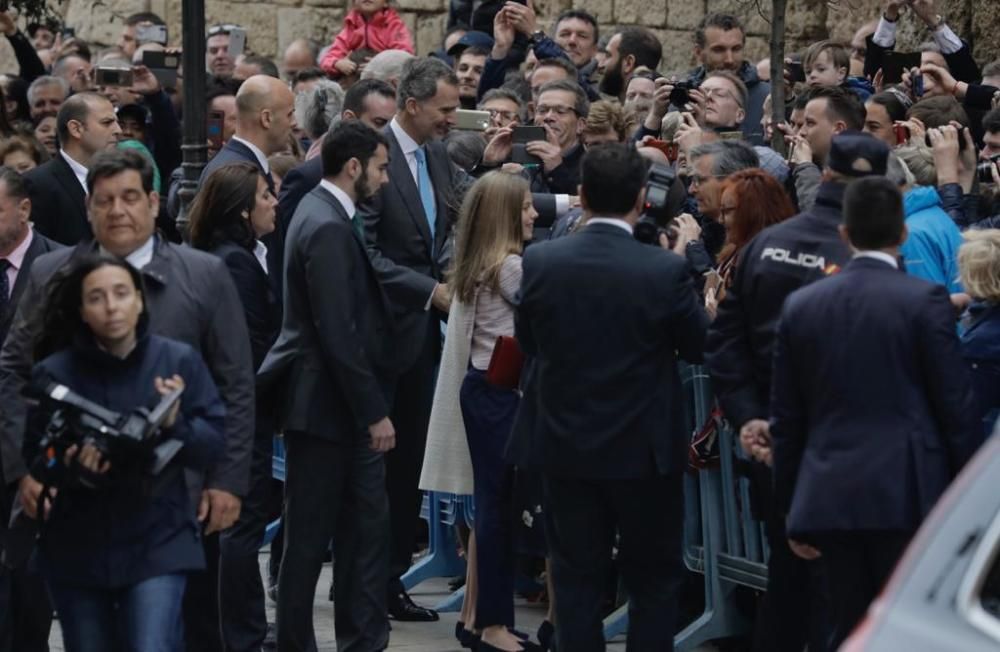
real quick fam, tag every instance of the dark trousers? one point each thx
(488, 413)
(794, 612)
(581, 517)
(334, 490)
(202, 632)
(411, 412)
(858, 564)
(25, 608)
(241, 592)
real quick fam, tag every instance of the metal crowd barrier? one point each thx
(722, 540)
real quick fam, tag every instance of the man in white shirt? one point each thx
(86, 124)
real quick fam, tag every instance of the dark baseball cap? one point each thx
(471, 40)
(857, 154)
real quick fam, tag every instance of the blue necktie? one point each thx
(426, 189)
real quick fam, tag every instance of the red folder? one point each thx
(505, 363)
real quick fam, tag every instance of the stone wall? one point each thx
(273, 24)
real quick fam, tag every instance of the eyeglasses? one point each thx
(561, 111)
(504, 116)
(697, 179)
(225, 28)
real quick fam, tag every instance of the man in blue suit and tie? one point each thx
(872, 409)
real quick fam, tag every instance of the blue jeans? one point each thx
(144, 617)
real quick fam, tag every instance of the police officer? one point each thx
(781, 259)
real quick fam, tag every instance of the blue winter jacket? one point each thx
(127, 531)
(980, 345)
(931, 248)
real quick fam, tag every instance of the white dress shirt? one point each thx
(341, 196)
(260, 253)
(141, 256)
(409, 147)
(16, 260)
(258, 152)
(614, 221)
(78, 169)
(878, 255)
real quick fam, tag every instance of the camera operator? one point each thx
(114, 551)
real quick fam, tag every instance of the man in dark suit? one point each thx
(86, 124)
(329, 367)
(265, 119)
(407, 225)
(603, 316)
(25, 611)
(872, 410)
(373, 102)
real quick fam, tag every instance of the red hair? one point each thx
(760, 202)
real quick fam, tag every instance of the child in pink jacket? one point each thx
(371, 25)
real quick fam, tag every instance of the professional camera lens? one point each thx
(985, 169)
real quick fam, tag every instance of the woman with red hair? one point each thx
(751, 201)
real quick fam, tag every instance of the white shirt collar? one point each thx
(878, 255)
(78, 169)
(141, 256)
(340, 195)
(260, 253)
(406, 142)
(621, 224)
(258, 152)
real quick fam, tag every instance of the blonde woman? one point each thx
(979, 269)
(496, 220)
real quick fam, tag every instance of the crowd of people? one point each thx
(479, 272)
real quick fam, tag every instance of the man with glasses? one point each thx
(218, 60)
(710, 165)
(562, 109)
(505, 108)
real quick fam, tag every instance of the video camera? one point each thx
(132, 442)
(655, 218)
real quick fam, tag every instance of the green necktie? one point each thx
(359, 226)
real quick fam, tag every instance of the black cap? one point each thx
(471, 40)
(857, 154)
(136, 111)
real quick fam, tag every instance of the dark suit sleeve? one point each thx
(294, 187)
(948, 380)
(15, 370)
(29, 64)
(963, 66)
(43, 213)
(329, 255)
(226, 350)
(688, 319)
(253, 296)
(407, 287)
(788, 419)
(874, 56)
(729, 354)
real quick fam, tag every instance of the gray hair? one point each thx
(504, 94)
(387, 66)
(729, 156)
(420, 79)
(47, 80)
(319, 107)
(897, 172)
(919, 160)
(465, 148)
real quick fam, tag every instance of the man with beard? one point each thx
(469, 68)
(335, 409)
(628, 50)
(719, 43)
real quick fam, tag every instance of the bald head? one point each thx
(265, 109)
(298, 56)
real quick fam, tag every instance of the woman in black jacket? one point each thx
(116, 541)
(232, 211)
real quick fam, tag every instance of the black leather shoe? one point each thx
(526, 646)
(402, 608)
(546, 636)
(466, 638)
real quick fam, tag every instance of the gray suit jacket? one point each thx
(408, 261)
(191, 298)
(327, 369)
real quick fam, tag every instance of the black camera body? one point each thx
(984, 170)
(655, 218)
(681, 94)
